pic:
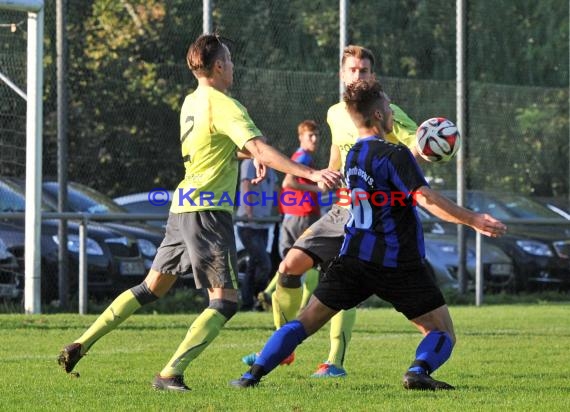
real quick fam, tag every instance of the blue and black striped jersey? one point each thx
(384, 227)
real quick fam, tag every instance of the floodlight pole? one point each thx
(462, 125)
(62, 151)
(342, 35)
(206, 16)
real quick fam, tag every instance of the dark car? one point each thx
(10, 275)
(540, 252)
(114, 260)
(82, 198)
(442, 258)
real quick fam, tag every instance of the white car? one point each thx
(143, 203)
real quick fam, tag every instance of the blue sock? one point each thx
(432, 352)
(280, 345)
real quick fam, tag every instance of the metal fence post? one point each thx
(82, 267)
(478, 269)
(342, 35)
(207, 16)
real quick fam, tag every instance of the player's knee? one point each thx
(296, 262)
(289, 281)
(226, 307)
(143, 294)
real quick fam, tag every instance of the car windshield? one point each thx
(84, 199)
(506, 205)
(511, 206)
(145, 206)
(12, 199)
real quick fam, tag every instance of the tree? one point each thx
(127, 79)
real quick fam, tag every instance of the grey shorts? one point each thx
(323, 239)
(203, 243)
(291, 228)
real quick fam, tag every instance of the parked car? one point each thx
(540, 252)
(10, 275)
(442, 257)
(81, 198)
(558, 210)
(114, 260)
(140, 203)
(557, 205)
(441, 249)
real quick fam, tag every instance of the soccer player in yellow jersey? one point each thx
(199, 237)
(321, 242)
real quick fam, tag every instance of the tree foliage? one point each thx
(127, 78)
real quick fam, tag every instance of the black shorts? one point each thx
(350, 281)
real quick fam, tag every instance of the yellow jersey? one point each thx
(344, 132)
(212, 127)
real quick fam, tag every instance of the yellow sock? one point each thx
(201, 333)
(309, 285)
(286, 303)
(119, 310)
(276, 311)
(340, 334)
(272, 284)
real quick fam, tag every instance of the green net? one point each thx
(12, 105)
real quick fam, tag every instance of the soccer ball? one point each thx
(438, 139)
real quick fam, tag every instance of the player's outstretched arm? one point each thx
(289, 182)
(243, 154)
(445, 209)
(274, 159)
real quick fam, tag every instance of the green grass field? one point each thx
(512, 357)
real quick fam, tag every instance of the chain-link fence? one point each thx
(12, 106)
(127, 78)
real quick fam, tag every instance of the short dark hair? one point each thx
(362, 98)
(202, 54)
(358, 52)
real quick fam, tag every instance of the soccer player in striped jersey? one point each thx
(321, 242)
(214, 130)
(383, 251)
